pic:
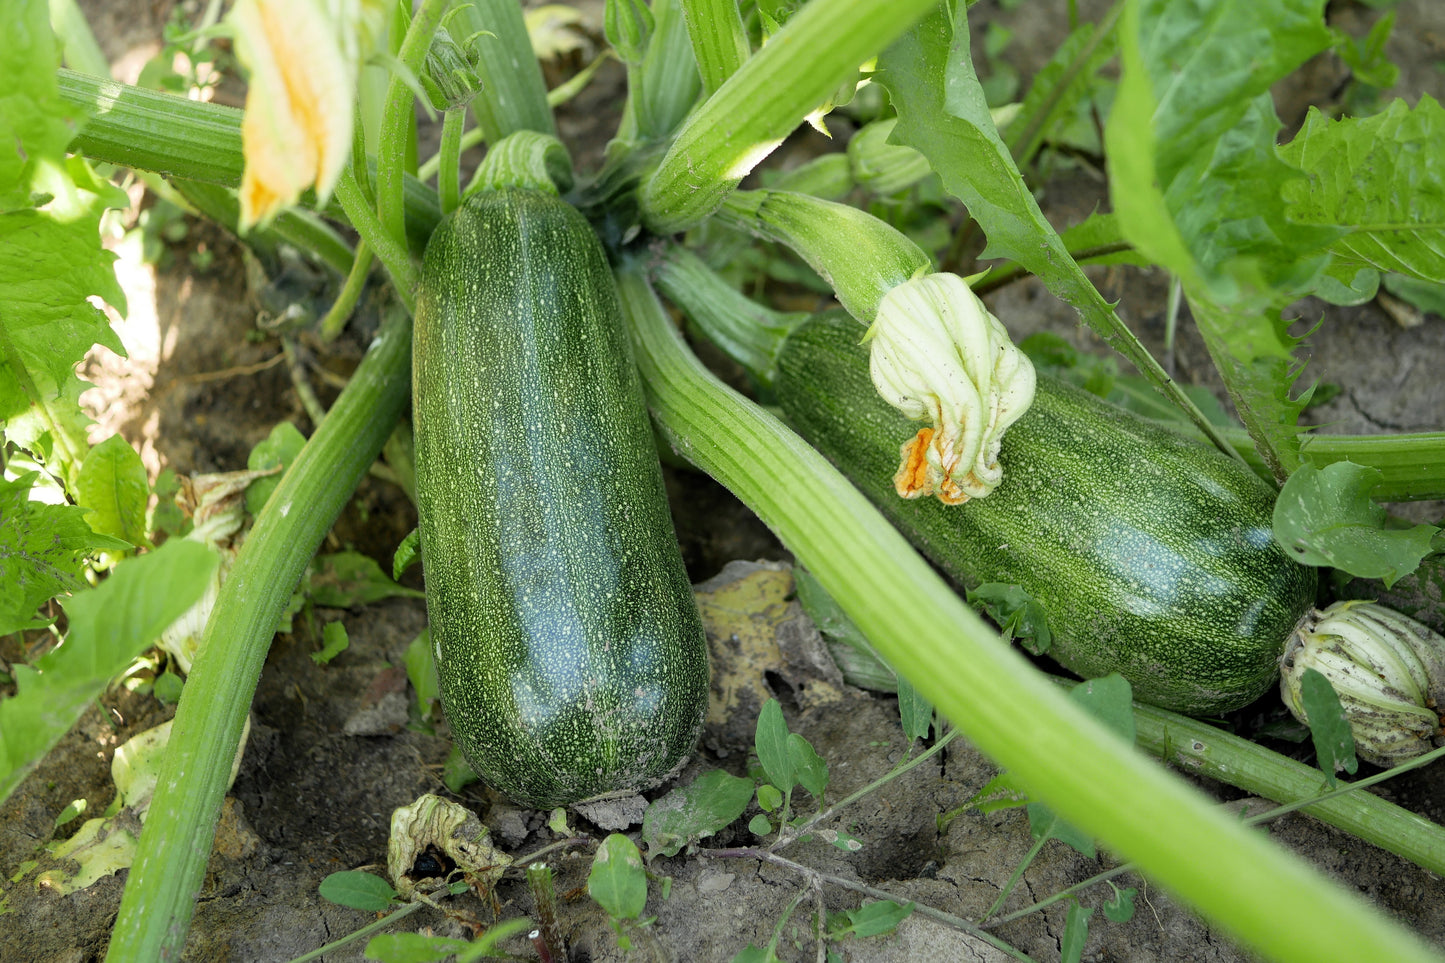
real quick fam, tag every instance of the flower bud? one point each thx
(939, 355)
(628, 25)
(1388, 671)
(450, 78)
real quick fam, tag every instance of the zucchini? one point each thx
(1152, 555)
(569, 648)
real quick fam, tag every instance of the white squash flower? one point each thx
(304, 57)
(938, 355)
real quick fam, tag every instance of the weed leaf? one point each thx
(617, 881)
(808, 767)
(1120, 907)
(769, 797)
(1330, 730)
(358, 890)
(771, 743)
(1109, 699)
(753, 954)
(278, 449)
(346, 579)
(683, 816)
(1076, 933)
(877, 918)
(112, 487)
(334, 641)
(1324, 516)
(915, 711)
(1046, 824)
(1378, 177)
(109, 625)
(1017, 614)
(760, 825)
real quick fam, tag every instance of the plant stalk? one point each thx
(175, 845)
(765, 100)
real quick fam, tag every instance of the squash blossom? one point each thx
(938, 355)
(303, 57)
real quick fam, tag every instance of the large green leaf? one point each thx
(109, 625)
(1383, 179)
(1198, 186)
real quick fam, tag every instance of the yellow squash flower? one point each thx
(303, 57)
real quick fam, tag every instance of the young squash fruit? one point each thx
(1152, 555)
(568, 645)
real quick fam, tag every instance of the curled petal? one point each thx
(938, 355)
(303, 58)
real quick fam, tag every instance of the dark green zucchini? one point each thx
(569, 648)
(1151, 554)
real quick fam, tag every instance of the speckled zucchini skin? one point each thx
(1151, 554)
(568, 645)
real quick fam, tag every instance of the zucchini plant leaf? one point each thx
(1190, 139)
(43, 549)
(112, 487)
(1325, 517)
(711, 803)
(109, 625)
(1380, 178)
(943, 114)
(1059, 87)
(1330, 730)
(1197, 183)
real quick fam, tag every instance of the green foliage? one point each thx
(771, 742)
(914, 710)
(1329, 729)
(358, 890)
(1325, 516)
(1119, 908)
(346, 579)
(877, 918)
(1076, 932)
(43, 549)
(618, 883)
(334, 641)
(422, 948)
(1017, 614)
(278, 450)
(112, 487)
(421, 671)
(1375, 181)
(708, 805)
(109, 625)
(808, 767)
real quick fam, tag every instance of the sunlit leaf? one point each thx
(710, 804)
(617, 880)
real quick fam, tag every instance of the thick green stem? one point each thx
(1062, 756)
(398, 118)
(175, 845)
(150, 131)
(393, 253)
(449, 174)
(763, 101)
(719, 40)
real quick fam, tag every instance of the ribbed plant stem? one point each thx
(180, 826)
